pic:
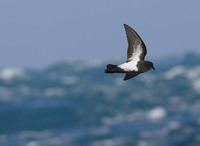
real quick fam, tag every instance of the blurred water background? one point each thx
(53, 89)
(73, 103)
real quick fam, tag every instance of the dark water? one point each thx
(76, 104)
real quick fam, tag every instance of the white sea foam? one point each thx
(110, 142)
(89, 64)
(94, 63)
(193, 73)
(47, 137)
(119, 81)
(175, 71)
(35, 134)
(157, 113)
(57, 91)
(173, 125)
(32, 143)
(196, 85)
(10, 73)
(120, 118)
(190, 73)
(142, 143)
(43, 138)
(69, 80)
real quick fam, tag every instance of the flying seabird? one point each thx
(136, 53)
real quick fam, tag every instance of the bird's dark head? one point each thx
(150, 65)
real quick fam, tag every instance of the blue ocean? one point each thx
(74, 103)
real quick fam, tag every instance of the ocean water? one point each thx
(75, 104)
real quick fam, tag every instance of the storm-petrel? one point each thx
(136, 53)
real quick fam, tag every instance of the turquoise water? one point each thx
(76, 104)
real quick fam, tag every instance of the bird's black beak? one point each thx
(153, 68)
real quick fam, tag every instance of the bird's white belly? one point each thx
(129, 66)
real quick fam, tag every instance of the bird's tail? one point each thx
(112, 68)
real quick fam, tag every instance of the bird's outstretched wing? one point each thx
(130, 75)
(136, 47)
